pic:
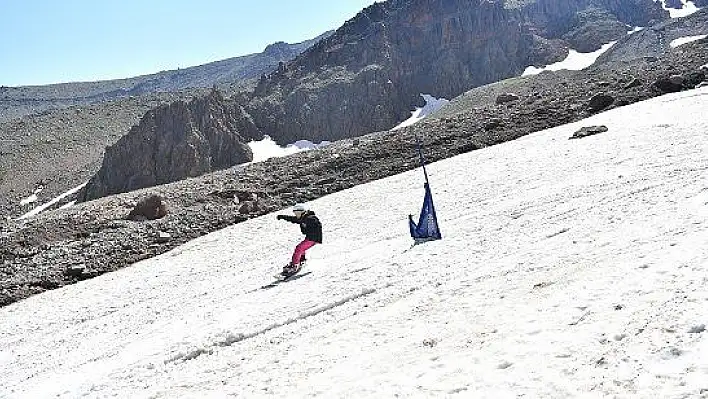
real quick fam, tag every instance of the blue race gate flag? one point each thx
(427, 227)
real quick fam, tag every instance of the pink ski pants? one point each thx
(300, 250)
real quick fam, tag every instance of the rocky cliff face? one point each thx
(655, 41)
(174, 142)
(587, 24)
(370, 72)
(364, 78)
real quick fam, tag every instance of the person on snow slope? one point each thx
(312, 229)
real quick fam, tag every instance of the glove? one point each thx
(280, 217)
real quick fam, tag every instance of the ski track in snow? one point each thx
(567, 268)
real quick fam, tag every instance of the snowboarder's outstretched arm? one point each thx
(288, 218)
(310, 225)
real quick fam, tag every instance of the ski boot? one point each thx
(291, 270)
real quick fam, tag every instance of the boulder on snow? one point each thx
(671, 84)
(600, 101)
(149, 208)
(588, 131)
(697, 329)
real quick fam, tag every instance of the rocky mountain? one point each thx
(60, 149)
(655, 40)
(370, 72)
(174, 142)
(365, 77)
(52, 138)
(236, 72)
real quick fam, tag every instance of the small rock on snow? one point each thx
(504, 365)
(697, 329)
(674, 352)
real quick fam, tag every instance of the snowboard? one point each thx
(279, 279)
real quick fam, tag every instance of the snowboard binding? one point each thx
(290, 270)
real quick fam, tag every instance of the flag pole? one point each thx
(422, 160)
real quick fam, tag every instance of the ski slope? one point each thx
(567, 268)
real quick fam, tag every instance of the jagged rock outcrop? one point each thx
(592, 27)
(587, 24)
(654, 42)
(370, 72)
(174, 142)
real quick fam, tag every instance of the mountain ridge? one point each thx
(393, 51)
(238, 71)
(57, 144)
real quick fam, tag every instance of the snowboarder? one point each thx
(312, 229)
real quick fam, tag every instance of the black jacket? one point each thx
(309, 225)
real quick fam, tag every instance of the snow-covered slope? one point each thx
(568, 268)
(575, 61)
(431, 106)
(685, 40)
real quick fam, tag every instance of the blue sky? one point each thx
(48, 41)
